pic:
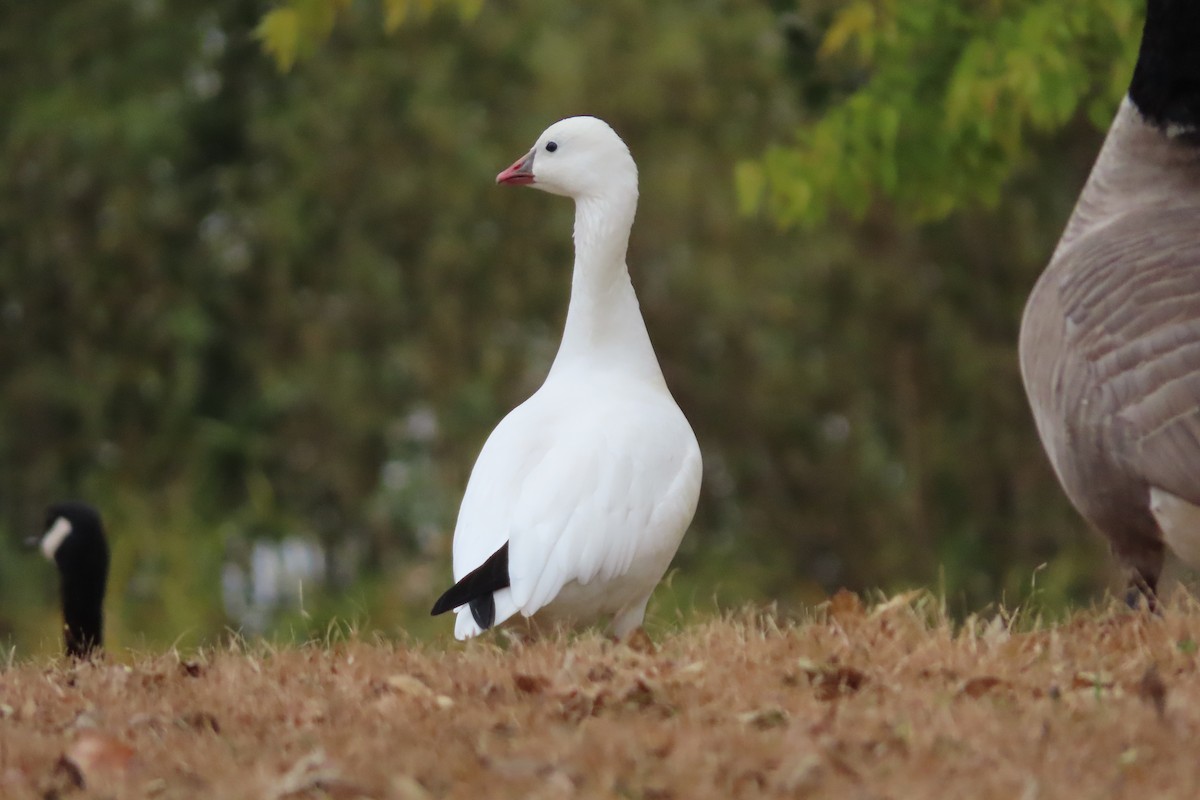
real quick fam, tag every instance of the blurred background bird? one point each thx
(75, 543)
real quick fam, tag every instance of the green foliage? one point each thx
(296, 28)
(934, 103)
(240, 307)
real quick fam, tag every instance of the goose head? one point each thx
(74, 542)
(1166, 79)
(577, 157)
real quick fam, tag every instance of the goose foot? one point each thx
(1142, 587)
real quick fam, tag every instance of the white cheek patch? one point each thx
(54, 537)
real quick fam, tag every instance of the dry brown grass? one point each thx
(888, 702)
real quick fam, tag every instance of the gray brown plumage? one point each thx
(1110, 340)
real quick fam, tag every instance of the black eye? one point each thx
(551, 147)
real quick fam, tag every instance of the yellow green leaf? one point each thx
(279, 32)
(749, 182)
(394, 14)
(854, 23)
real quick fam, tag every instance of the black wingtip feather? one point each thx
(476, 589)
(483, 609)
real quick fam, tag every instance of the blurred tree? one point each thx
(295, 28)
(932, 103)
(925, 104)
(238, 305)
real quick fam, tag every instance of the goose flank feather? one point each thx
(1110, 337)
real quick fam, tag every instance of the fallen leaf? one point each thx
(832, 681)
(530, 684)
(578, 704)
(845, 605)
(764, 718)
(662, 749)
(600, 672)
(979, 686)
(191, 669)
(807, 665)
(408, 685)
(639, 641)
(100, 757)
(901, 600)
(201, 721)
(842, 766)
(642, 694)
(1092, 680)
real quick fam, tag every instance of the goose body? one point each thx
(74, 542)
(582, 494)
(1110, 338)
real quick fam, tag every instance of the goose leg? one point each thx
(1142, 587)
(625, 622)
(1146, 567)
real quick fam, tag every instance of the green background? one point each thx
(240, 304)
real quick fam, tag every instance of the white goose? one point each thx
(582, 494)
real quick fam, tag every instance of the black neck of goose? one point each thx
(1166, 81)
(83, 610)
(84, 632)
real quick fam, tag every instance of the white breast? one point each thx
(1179, 521)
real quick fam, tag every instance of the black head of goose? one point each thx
(1110, 339)
(74, 540)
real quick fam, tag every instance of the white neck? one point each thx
(604, 322)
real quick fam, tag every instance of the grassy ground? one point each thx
(885, 702)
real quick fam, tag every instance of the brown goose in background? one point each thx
(1110, 340)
